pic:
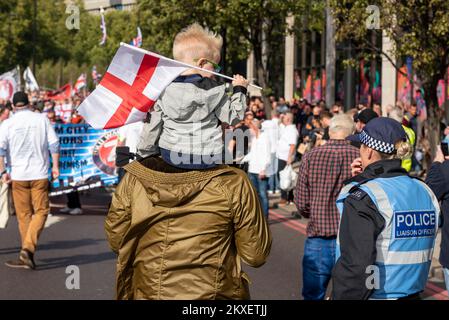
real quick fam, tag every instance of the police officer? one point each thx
(388, 223)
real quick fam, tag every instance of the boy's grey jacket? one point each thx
(186, 117)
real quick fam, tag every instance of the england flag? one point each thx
(130, 87)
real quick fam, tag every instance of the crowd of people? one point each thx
(58, 111)
(179, 210)
(326, 144)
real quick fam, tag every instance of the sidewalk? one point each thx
(93, 202)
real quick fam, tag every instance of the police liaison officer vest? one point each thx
(405, 246)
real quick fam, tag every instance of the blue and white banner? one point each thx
(87, 158)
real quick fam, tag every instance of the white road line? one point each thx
(51, 220)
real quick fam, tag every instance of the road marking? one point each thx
(291, 224)
(51, 220)
(288, 220)
(436, 291)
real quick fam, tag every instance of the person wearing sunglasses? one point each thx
(213, 212)
(184, 123)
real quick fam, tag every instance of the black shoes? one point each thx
(26, 261)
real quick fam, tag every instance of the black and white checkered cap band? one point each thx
(375, 144)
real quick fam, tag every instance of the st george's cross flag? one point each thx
(130, 88)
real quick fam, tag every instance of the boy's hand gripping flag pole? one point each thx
(131, 87)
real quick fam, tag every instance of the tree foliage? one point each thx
(418, 29)
(258, 25)
(61, 54)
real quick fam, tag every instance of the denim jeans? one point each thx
(273, 182)
(261, 187)
(317, 265)
(446, 278)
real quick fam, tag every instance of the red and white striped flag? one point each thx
(130, 87)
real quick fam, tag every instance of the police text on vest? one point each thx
(414, 224)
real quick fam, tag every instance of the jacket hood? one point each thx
(175, 187)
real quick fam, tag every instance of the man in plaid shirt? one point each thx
(322, 172)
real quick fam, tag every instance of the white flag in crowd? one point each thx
(30, 80)
(103, 28)
(80, 83)
(9, 84)
(95, 75)
(130, 88)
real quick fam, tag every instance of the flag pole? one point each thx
(184, 64)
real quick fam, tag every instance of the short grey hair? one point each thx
(342, 123)
(396, 114)
(289, 115)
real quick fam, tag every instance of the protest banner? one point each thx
(9, 84)
(87, 158)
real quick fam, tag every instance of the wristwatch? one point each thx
(3, 172)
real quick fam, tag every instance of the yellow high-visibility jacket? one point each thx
(407, 163)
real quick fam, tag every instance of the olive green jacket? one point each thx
(181, 234)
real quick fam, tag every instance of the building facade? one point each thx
(314, 70)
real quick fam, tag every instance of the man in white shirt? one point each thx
(271, 127)
(5, 193)
(129, 136)
(259, 164)
(286, 150)
(26, 138)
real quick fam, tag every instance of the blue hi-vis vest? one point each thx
(405, 246)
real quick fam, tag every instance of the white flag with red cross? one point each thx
(130, 88)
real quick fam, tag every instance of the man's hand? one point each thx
(55, 173)
(446, 131)
(6, 178)
(262, 175)
(356, 167)
(439, 156)
(239, 81)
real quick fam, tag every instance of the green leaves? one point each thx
(418, 28)
(62, 53)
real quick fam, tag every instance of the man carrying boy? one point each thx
(181, 232)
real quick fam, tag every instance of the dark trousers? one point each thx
(73, 200)
(286, 195)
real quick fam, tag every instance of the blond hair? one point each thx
(196, 42)
(404, 150)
